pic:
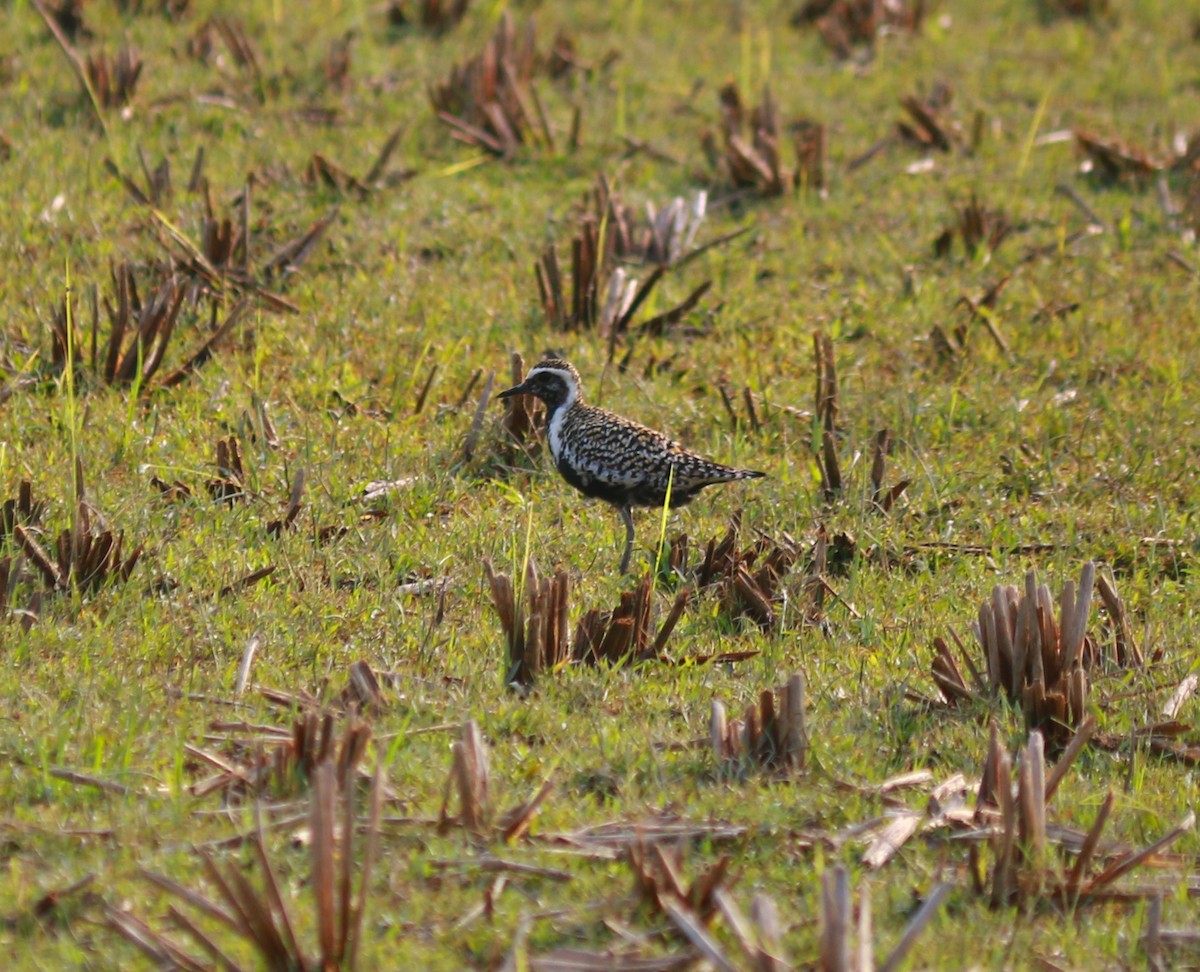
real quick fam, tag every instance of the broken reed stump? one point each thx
(826, 411)
(469, 781)
(883, 499)
(229, 484)
(262, 918)
(523, 420)
(846, 939)
(139, 333)
(1039, 664)
(435, 16)
(267, 762)
(847, 24)
(20, 509)
(608, 236)
(755, 164)
(489, 101)
(977, 227)
(659, 884)
(84, 558)
(536, 631)
(114, 78)
(1013, 816)
(748, 581)
(772, 734)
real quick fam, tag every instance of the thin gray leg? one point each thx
(627, 519)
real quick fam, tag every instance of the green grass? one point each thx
(1095, 414)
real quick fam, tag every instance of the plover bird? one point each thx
(611, 458)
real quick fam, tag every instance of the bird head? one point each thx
(553, 381)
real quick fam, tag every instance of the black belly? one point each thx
(639, 494)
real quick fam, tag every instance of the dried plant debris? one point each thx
(468, 788)
(536, 630)
(264, 762)
(1034, 862)
(523, 422)
(1011, 819)
(662, 238)
(1113, 160)
(222, 42)
(295, 502)
(884, 497)
(114, 78)
(976, 227)
(261, 917)
(926, 125)
(608, 236)
(139, 333)
(660, 887)
(772, 734)
(436, 16)
(1079, 9)
(826, 412)
(69, 17)
(220, 266)
(84, 73)
(21, 509)
(83, 558)
(846, 944)
(170, 9)
(754, 164)
(846, 25)
(229, 484)
(491, 102)
(25, 606)
(748, 582)
(1039, 664)
(323, 171)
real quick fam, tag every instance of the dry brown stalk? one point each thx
(276, 528)
(229, 33)
(322, 171)
(837, 951)
(140, 331)
(266, 762)
(261, 916)
(84, 559)
(1113, 160)
(977, 227)
(489, 101)
(880, 498)
(21, 509)
(608, 237)
(229, 485)
(219, 266)
(468, 786)
(536, 630)
(772, 733)
(925, 126)
(1039, 664)
(469, 780)
(845, 25)
(748, 580)
(756, 165)
(113, 79)
(827, 411)
(659, 882)
(1013, 818)
(73, 59)
(435, 16)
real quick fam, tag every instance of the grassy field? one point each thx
(1040, 393)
